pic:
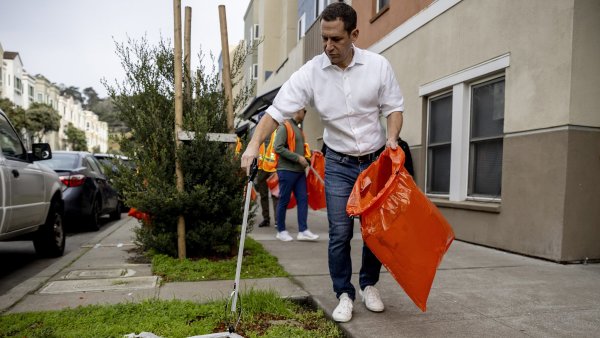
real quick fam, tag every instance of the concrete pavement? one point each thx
(477, 291)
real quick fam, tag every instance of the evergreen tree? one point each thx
(214, 183)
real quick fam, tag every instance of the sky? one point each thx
(73, 41)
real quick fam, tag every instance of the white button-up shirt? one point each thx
(349, 101)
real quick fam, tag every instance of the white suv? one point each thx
(31, 204)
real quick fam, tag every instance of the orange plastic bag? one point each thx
(273, 184)
(400, 225)
(315, 186)
(142, 216)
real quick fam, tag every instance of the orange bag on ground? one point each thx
(273, 184)
(315, 186)
(400, 225)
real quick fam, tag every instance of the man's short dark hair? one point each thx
(342, 11)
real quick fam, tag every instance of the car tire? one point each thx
(116, 214)
(49, 241)
(94, 217)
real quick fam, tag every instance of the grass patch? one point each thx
(265, 314)
(257, 263)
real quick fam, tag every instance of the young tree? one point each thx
(76, 138)
(42, 119)
(16, 115)
(212, 201)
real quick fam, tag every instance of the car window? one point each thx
(9, 141)
(63, 161)
(95, 167)
(98, 164)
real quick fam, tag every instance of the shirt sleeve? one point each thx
(390, 95)
(294, 94)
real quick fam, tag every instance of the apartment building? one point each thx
(501, 110)
(23, 89)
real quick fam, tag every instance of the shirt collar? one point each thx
(357, 58)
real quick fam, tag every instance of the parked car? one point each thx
(112, 163)
(88, 193)
(31, 204)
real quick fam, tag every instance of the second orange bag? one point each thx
(315, 186)
(400, 225)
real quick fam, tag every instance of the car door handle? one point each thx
(15, 173)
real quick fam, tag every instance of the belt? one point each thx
(362, 158)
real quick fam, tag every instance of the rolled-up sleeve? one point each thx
(390, 95)
(294, 94)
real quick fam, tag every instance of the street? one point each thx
(20, 262)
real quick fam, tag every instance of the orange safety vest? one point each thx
(270, 157)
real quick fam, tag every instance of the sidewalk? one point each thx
(477, 291)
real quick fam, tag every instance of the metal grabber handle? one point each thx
(251, 175)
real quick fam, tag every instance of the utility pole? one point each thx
(226, 68)
(178, 122)
(187, 52)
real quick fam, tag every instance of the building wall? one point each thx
(372, 27)
(551, 57)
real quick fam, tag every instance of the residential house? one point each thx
(501, 112)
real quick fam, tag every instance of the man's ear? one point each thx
(354, 35)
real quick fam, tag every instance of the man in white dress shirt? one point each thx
(350, 88)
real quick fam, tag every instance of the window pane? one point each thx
(440, 120)
(438, 171)
(487, 168)
(488, 109)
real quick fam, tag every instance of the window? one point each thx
(9, 141)
(485, 142)
(40, 97)
(18, 86)
(468, 163)
(439, 141)
(301, 26)
(465, 132)
(31, 93)
(381, 5)
(256, 32)
(255, 71)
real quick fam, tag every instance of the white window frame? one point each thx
(255, 71)
(431, 98)
(256, 32)
(461, 83)
(301, 27)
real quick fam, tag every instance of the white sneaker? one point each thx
(284, 236)
(371, 298)
(343, 312)
(306, 235)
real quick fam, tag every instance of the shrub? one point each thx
(212, 202)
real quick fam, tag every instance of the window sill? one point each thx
(380, 13)
(492, 207)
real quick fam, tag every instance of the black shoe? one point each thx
(264, 224)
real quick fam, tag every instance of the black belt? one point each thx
(362, 158)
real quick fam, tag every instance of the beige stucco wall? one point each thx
(551, 85)
(585, 85)
(536, 33)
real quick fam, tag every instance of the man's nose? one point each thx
(328, 45)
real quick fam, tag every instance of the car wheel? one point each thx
(49, 240)
(94, 218)
(116, 214)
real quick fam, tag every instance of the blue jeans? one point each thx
(340, 174)
(292, 181)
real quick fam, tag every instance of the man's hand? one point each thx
(302, 160)
(248, 156)
(392, 143)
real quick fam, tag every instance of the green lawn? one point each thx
(265, 314)
(257, 263)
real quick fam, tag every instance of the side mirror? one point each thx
(41, 151)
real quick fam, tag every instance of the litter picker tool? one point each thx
(233, 308)
(316, 174)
